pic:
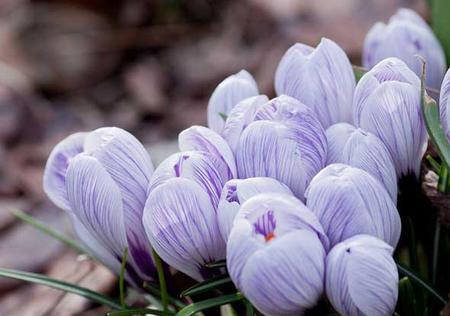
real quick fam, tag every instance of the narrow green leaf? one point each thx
(440, 23)
(359, 72)
(432, 121)
(436, 242)
(217, 264)
(42, 227)
(213, 302)
(139, 311)
(60, 285)
(407, 303)
(443, 179)
(157, 293)
(162, 281)
(416, 279)
(436, 166)
(206, 286)
(122, 277)
(249, 310)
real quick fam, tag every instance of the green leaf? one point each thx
(223, 116)
(436, 166)
(440, 22)
(432, 121)
(213, 302)
(42, 227)
(122, 277)
(206, 286)
(157, 293)
(217, 264)
(162, 281)
(139, 311)
(407, 303)
(60, 285)
(424, 285)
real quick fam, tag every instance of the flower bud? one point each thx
(236, 192)
(276, 253)
(360, 149)
(100, 178)
(204, 139)
(321, 78)
(239, 118)
(226, 95)
(387, 104)
(406, 37)
(348, 201)
(361, 277)
(180, 213)
(285, 142)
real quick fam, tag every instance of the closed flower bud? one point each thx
(444, 105)
(226, 95)
(285, 142)
(406, 37)
(348, 201)
(276, 253)
(100, 178)
(180, 214)
(387, 104)
(239, 118)
(321, 78)
(204, 139)
(361, 277)
(360, 149)
(236, 192)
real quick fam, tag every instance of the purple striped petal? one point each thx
(204, 139)
(130, 167)
(406, 37)
(337, 136)
(236, 192)
(392, 112)
(444, 104)
(227, 94)
(97, 202)
(56, 167)
(349, 201)
(321, 78)
(181, 224)
(240, 117)
(286, 142)
(207, 170)
(363, 150)
(361, 277)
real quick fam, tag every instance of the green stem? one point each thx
(162, 281)
(406, 272)
(443, 179)
(122, 277)
(433, 163)
(437, 234)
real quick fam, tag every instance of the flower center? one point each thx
(265, 225)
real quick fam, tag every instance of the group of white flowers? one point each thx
(297, 193)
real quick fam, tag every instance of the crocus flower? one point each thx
(180, 214)
(444, 104)
(285, 142)
(100, 178)
(361, 277)
(239, 118)
(406, 37)
(204, 139)
(357, 148)
(321, 78)
(226, 95)
(236, 192)
(348, 201)
(276, 254)
(387, 104)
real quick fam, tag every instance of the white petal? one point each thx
(337, 136)
(226, 95)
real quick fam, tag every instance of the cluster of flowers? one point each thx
(297, 193)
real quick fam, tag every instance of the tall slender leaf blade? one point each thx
(139, 311)
(60, 285)
(440, 22)
(205, 286)
(213, 302)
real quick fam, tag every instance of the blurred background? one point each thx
(143, 65)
